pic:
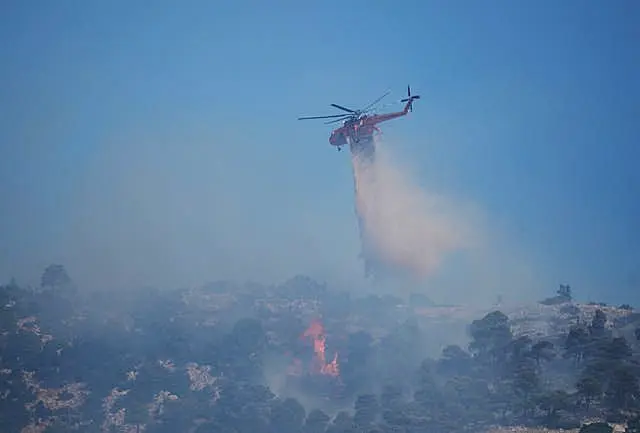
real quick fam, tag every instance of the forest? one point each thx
(299, 358)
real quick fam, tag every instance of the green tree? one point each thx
(564, 292)
(366, 410)
(427, 394)
(244, 349)
(287, 416)
(543, 351)
(316, 422)
(623, 387)
(633, 425)
(576, 344)
(355, 371)
(519, 350)
(597, 328)
(589, 389)
(454, 361)
(526, 383)
(55, 276)
(13, 413)
(554, 401)
(618, 350)
(400, 354)
(467, 398)
(391, 396)
(490, 336)
(596, 427)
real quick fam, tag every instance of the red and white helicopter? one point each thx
(358, 126)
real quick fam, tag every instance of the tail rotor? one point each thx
(410, 98)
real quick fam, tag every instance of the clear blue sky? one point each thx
(144, 139)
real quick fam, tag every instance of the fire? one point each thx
(316, 333)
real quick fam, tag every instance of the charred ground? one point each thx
(300, 357)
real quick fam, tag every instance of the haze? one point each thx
(157, 144)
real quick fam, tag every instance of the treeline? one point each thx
(589, 372)
(79, 362)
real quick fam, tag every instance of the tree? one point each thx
(55, 276)
(563, 295)
(623, 387)
(633, 425)
(316, 422)
(596, 427)
(287, 416)
(520, 349)
(13, 414)
(564, 292)
(490, 336)
(9, 296)
(366, 410)
(467, 397)
(391, 397)
(618, 350)
(355, 370)
(525, 382)
(400, 354)
(502, 377)
(427, 395)
(244, 348)
(598, 324)
(576, 344)
(554, 401)
(589, 389)
(454, 360)
(543, 351)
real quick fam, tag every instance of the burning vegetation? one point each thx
(319, 365)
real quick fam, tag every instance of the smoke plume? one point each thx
(403, 227)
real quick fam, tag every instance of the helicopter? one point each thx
(358, 126)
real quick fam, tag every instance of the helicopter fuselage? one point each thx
(360, 140)
(353, 132)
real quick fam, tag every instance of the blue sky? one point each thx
(149, 142)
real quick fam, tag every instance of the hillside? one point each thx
(300, 357)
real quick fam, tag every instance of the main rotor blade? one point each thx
(349, 110)
(337, 120)
(322, 117)
(376, 101)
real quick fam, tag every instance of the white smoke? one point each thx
(404, 226)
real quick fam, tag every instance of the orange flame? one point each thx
(316, 332)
